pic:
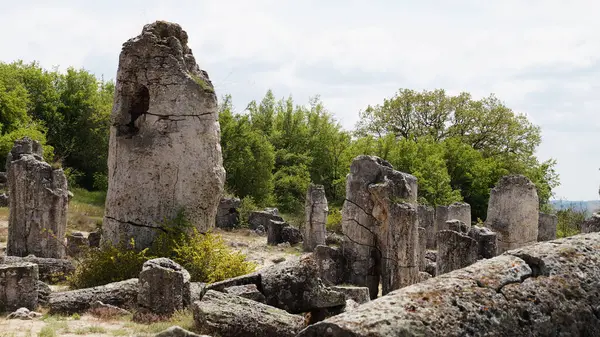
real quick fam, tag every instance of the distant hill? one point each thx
(588, 206)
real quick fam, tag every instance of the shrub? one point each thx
(334, 220)
(247, 206)
(569, 222)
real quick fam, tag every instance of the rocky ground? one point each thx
(246, 241)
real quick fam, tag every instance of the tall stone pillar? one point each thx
(164, 152)
(316, 211)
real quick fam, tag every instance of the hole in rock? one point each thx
(139, 104)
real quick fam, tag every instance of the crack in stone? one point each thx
(137, 224)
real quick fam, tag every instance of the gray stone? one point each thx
(24, 314)
(363, 231)
(108, 309)
(456, 211)
(164, 154)
(278, 259)
(592, 224)
(162, 286)
(424, 276)
(422, 249)
(260, 230)
(426, 215)
(228, 216)
(547, 227)
(18, 286)
(316, 210)
(291, 234)
(177, 331)
(122, 294)
(94, 239)
(486, 240)
(431, 255)
(331, 264)
(4, 200)
(50, 270)
(262, 218)
(430, 267)
(334, 239)
(38, 203)
(457, 226)
(249, 291)
(75, 242)
(3, 179)
(274, 232)
(545, 289)
(359, 295)
(513, 212)
(196, 291)
(455, 250)
(253, 278)
(227, 315)
(295, 286)
(44, 292)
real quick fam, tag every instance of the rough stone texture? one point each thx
(457, 226)
(455, 250)
(38, 203)
(162, 286)
(249, 291)
(23, 314)
(262, 218)
(456, 211)
(196, 291)
(228, 216)
(75, 242)
(44, 292)
(18, 286)
(545, 289)
(253, 278)
(422, 249)
(3, 179)
(50, 270)
(291, 234)
(4, 200)
(363, 231)
(108, 309)
(430, 267)
(177, 331)
(487, 241)
(431, 255)
(94, 239)
(334, 239)
(164, 152)
(426, 216)
(121, 294)
(547, 227)
(424, 276)
(295, 286)
(227, 315)
(260, 230)
(274, 229)
(513, 212)
(331, 264)
(316, 211)
(592, 224)
(359, 295)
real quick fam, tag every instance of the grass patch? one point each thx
(4, 213)
(86, 210)
(119, 332)
(47, 331)
(90, 330)
(184, 319)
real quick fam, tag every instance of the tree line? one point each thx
(457, 146)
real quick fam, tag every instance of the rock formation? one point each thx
(456, 211)
(455, 250)
(316, 211)
(121, 294)
(513, 212)
(164, 152)
(38, 203)
(163, 285)
(228, 216)
(426, 215)
(379, 221)
(547, 227)
(592, 224)
(18, 286)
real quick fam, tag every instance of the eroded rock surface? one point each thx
(50, 270)
(316, 211)
(121, 294)
(228, 216)
(592, 224)
(547, 227)
(18, 286)
(163, 286)
(164, 152)
(426, 215)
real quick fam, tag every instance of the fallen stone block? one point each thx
(50, 270)
(253, 278)
(18, 286)
(262, 218)
(227, 315)
(44, 292)
(122, 294)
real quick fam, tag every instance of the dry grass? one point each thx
(3, 213)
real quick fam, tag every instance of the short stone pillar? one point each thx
(486, 240)
(94, 238)
(513, 212)
(426, 216)
(163, 285)
(18, 286)
(457, 211)
(455, 250)
(316, 211)
(76, 242)
(547, 227)
(38, 203)
(331, 264)
(228, 216)
(274, 229)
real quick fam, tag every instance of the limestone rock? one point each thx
(331, 264)
(592, 224)
(547, 227)
(422, 248)
(162, 286)
(108, 309)
(228, 315)
(177, 331)
(334, 239)
(424, 276)
(228, 216)
(121, 294)
(430, 267)
(44, 292)
(295, 286)
(253, 278)
(164, 152)
(426, 215)
(196, 291)
(249, 291)
(260, 230)
(545, 289)
(18, 286)
(455, 250)
(75, 242)
(513, 212)
(316, 211)
(291, 234)
(50, 270)
(38, 203)
(24, 314)
(486, 240)
(262, 218)
(359, 295)
(456, 211)
(359, 225)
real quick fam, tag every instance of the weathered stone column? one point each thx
(426, 216)
(455, 250)
(456, 211)
(368, 241)
(18, 286)
(547, 227)
(316, 211)
(164, 152)
(38, 203)
(162, 286)
(422, 249)
(513, 212)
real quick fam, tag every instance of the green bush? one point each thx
(206, 256)
(334, 220)
(247, 206)
(569, 222)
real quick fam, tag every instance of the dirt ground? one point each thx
(246, 241)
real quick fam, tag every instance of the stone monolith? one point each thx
(164, 152)
(426, 216)
(316, 211)
(547, 227)
(513, 212)
(38, 203)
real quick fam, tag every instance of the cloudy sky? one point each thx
(541, 58)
